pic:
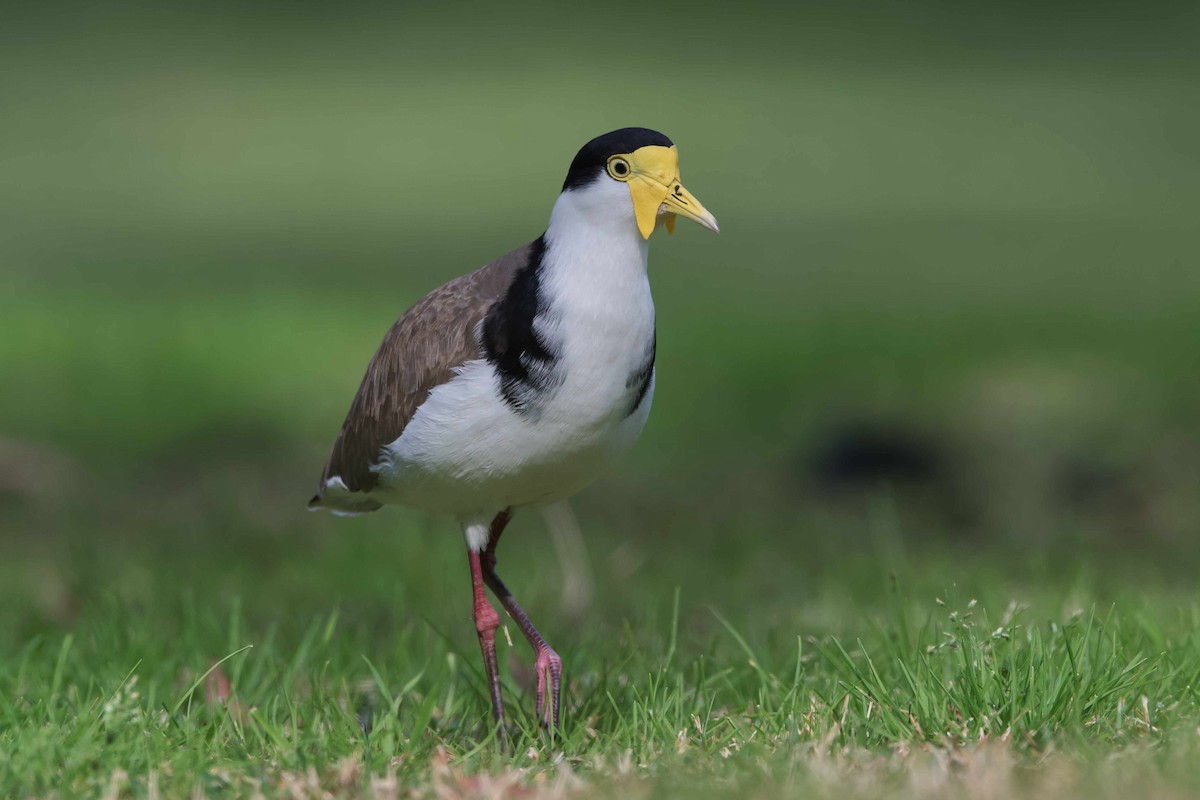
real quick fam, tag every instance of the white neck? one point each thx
(593, 229)
(599, 309)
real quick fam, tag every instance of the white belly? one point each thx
(467, 452)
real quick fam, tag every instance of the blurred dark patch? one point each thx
(868, 454)
(860, 459)
(1037, 481)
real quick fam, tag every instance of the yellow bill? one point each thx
(654, 185)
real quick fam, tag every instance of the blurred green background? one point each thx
(951, 318)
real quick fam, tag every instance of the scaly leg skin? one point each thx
(547, 663)
(486, 622)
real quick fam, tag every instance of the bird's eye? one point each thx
(618, 168)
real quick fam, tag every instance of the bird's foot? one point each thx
(548, 667)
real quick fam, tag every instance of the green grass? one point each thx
(680, 701)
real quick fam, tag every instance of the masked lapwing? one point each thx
(517, 384)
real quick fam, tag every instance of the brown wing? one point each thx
(419, 353)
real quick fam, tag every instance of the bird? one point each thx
(517, 384)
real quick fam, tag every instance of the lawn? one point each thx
(915, 514)
(890, 687)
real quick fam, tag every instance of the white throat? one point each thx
(600, 312)
(593, 227)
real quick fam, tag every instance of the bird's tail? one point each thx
(333, 496)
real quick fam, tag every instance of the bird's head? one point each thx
(634, 171)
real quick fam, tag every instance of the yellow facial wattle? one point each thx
(652, 173)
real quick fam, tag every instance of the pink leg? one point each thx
(548, 665)
(486, 622)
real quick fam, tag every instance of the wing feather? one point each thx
(420, 351)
